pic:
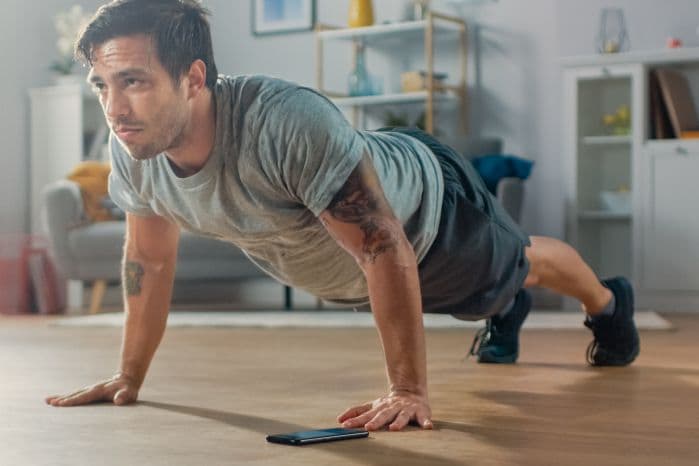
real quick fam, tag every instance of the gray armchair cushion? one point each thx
(471, 147)
(97, 240)
(510, 193)
(93, 251)
(62, 212)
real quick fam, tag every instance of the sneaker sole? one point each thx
(623, 362)
(488, 359)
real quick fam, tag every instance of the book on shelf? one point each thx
(676, 96)
(689, 135)
(661, 127)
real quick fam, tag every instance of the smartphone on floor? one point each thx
(317, 436)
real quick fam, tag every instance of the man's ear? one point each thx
(196, 78)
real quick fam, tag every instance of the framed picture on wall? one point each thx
(282, 16)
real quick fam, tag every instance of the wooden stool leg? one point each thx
(98, 289)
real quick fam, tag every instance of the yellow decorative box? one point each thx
(415, 81)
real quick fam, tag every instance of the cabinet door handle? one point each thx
(606, 72)
(680, 150)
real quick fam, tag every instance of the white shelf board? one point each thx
(607, 140)
(649, 57)
(406, 97)
(380, 31)
(603, 215)
(669, 144)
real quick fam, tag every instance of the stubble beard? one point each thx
(155, 148)
(169, 136)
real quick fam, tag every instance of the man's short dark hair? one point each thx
(179, 29)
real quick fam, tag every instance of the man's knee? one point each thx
(537, 257)
(532, 278)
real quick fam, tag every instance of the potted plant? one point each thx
(68, 24)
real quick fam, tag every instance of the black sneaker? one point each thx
(616, 340)
(498, 342)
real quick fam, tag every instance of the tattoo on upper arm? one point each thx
(133, 275)
(353, 202)
(361, 202)
(377, 239)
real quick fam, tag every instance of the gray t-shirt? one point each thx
(281, 153)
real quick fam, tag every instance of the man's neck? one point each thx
(194, 151)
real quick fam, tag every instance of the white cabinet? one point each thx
(56, 140)
(654, 241)
(62, 118)
(670, 259)
(600, 164)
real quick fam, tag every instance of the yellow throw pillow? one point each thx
(92, 177)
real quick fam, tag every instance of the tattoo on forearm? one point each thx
(359, 202)
(133, 275)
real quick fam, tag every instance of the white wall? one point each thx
(12, 127)
(27, 36)
(517, 87)
(649, 23)
(518, 94)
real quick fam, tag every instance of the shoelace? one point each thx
(600, 333)
(591, 348)
(482, 334)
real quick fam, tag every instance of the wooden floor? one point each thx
(213, 394)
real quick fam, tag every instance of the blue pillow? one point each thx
(493, 168)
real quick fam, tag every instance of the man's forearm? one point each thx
(394, 291)
(147, 292)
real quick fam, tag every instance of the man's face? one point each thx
(139, 99)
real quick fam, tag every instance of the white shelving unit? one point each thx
(607, 140)
(60, 118)
(601, 162)
(387, 99)
(371, 35)
(603, 215)
(394, 36)
(681, 56)
(657, 243)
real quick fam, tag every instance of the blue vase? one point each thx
(359, 80)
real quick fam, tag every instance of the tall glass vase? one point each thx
(420, 9)
(613, 36)
(359, 82)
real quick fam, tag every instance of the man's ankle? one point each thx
(604, 305)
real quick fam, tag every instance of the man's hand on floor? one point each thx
(120, 390)
(396, 410)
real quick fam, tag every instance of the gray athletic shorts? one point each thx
(477, 263)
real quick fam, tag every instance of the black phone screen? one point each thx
(316, 436)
